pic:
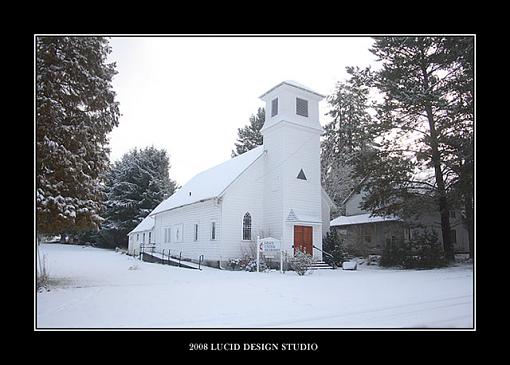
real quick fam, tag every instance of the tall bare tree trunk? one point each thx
(436, 162)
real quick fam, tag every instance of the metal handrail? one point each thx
(169, 256)
(327, 254)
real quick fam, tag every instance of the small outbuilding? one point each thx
(142, 234)
(364, 234)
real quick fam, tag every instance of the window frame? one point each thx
(168, 234)
(243, 228)
(195, 232)
(453, 236)
(176, 229)
(214, 231)
(274, 111)
(305, 104)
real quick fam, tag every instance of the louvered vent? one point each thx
(302, 107)
(274, 107)
(301, 175)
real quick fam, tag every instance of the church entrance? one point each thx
(303, 239)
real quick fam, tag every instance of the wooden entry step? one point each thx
(321, 265)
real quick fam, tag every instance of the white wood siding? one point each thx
(273, 187)
(134, 243)
(302, 151)
(199, 213)
(326, 215)
(244, 195)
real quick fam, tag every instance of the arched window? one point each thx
(247, 227)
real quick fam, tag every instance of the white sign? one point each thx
(269, 245)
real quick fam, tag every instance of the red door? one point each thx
(303, 238)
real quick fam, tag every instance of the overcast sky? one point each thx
(189, 95)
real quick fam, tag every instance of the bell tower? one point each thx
(292, 188)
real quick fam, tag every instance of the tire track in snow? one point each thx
(379, 310)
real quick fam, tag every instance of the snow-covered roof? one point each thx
(146, 225)
(360, 219)
(294, 84)
(210, 183)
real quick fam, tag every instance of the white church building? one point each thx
(273, 190)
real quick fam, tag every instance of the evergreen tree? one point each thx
(459, 144)
(345, 137)
(334, 251)
(249, 136)
(425, 84)
(75, 111)
(135, 185)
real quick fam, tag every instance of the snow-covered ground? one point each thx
(95, 288)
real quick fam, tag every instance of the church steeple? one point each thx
(292, 188)
(293, 103)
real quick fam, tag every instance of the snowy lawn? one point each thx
(95, 288)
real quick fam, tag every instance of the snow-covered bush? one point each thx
(373, 259)
(234, 263)
(301, 262)
(250, 264)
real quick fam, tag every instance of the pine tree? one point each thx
(135, 185)
(459, 144)
(424, 83)
(75, 111)
(249, 136)
(345, 137)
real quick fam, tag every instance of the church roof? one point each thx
(146, 225)
(210, 183)
(293, 84)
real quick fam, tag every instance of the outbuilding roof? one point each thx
(146, 225)
(210, 183)
(361, 219)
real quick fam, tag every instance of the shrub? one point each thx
(43, 277)
(301, 263)
(422, 252)
(248, 263)
(393, 254)
(234, 263)
(333, 245)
